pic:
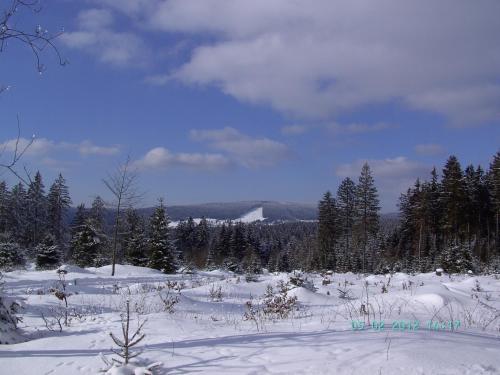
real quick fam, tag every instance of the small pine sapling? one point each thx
(128, 341)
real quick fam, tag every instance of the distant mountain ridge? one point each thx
(272, 211)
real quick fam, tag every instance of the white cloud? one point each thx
(357, 128)
(88, 148)
(44, 146)
(331, 56)
(161, 158)
(429, 149)
(39, 146)
(393, 176)
(95, 35)
(247, 151)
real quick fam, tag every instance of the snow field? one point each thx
(209, 335)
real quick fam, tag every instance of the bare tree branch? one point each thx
(17, 155)
(37, 41)
(122, 185)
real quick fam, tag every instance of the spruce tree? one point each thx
(97, 214)
(186, 240)
(453, 198)
(97, 220)
(48, 253)
(237, 247)
(18, 224)
(11, 255)
(494, 183)
(202, 241)
(367, 207)
(37, 210)
(435, 211)
(86, 246)
(346, 203)
(59, 202)
(162, 249)
(135, 240)
(211, 262)
(223, 245)
(328, 230)
(4, 207)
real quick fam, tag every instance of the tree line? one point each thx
(450, 221)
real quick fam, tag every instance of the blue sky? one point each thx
(237, 100)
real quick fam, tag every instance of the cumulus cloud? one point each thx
(332, 56)
(44, 146)
(245, 150)
(393, 176)
(429, 149)
(161, 158)
(95, 35)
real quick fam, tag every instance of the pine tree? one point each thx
(86, 246)
(494, 183)
(367, 207)
(328, 230)
(48, 253)
(211, 263)
(435, 211)
(346, 203)
(37, 210)
(186, 240)
(453, 198)
(18, 223)
(135, 240)
(97, 220)
(97, 214)
(11, 255)
(202, 242)
(223, 244)
(162, 249)
(4, 207)
(237, 247)
(59, 202)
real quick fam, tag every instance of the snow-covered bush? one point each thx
(215, 293)
(169, 296)
(279, 305)
(299, 280)
(57, 316)
(8, 319)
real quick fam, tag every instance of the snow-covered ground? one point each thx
(209, 335)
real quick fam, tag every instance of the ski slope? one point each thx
(253, 216)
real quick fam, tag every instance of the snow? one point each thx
(211, 337)
(252, 216)
(210, 221)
